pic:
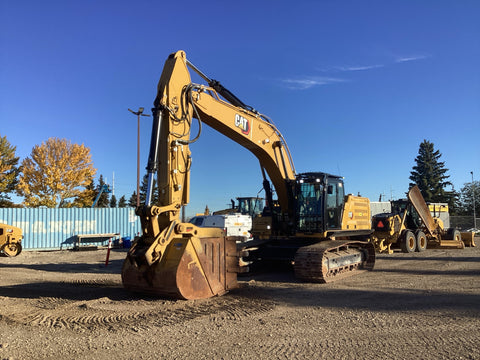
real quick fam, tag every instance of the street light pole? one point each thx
(473, 196)
(138, 113)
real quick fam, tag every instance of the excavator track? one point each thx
(331, 260)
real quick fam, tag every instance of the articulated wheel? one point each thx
(421, 241)
(12, 249)
(408, 242)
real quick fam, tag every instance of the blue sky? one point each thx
(354, 86)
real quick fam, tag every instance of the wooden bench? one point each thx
(92, 238)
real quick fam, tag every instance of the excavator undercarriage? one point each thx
(331, 260)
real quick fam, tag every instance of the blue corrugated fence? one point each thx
(56, 228)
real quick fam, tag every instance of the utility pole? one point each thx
(473, 196)
(138, 113)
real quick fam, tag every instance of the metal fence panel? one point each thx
(463, 222)
(48, 228)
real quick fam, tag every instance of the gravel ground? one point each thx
(69, 305)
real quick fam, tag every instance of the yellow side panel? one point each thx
(356, 214)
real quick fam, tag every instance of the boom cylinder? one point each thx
(153, 153)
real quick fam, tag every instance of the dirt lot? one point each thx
(69, 305)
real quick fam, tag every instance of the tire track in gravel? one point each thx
(93, 282)
(132, 315)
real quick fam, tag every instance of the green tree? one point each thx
(143, 190)
(9, 171)
(122, 203)
(466, 198)
(56, 172)
(113, 201)
(132, 202)
(429, 174)
(103, 200)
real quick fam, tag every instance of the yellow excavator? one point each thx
(312, 223)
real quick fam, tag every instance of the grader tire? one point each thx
(12, 249)
(408, 242)
(455, 235)
(421, 241)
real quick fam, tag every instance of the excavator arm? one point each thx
(178, 101)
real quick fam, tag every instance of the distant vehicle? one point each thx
(10, 240)
(253, 206)
(234, 224)
(411, 227)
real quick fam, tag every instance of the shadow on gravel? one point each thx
(77, 291)
(114, 267)
(436, 258)
(432, 272)
(371, 300)
(303, 295)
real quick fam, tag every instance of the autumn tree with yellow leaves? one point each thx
(56, 174)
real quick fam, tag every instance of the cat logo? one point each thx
(242, 123)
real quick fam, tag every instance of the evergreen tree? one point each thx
(132, 202)
(9, 171)
(113, 202)
(122, 203)
(466, 198)
(143, 190)
(103, 201)
(429, 174)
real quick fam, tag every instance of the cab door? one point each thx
(334, 204)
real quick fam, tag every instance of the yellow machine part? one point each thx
(468, 238)
(10, 240)
(356, 213)
(189, 267)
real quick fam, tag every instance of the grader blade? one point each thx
(416, 199)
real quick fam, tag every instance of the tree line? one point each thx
(56, 174)
(61, 174)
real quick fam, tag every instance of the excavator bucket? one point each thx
(189, 268)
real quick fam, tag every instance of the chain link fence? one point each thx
(463, 222)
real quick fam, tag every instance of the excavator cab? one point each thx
(252, 206)
(319, 202)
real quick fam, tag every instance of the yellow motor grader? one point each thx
(10, 240)
(411, 227)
